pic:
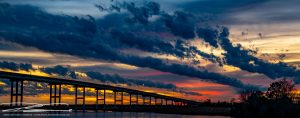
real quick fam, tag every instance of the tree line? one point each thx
(280, 100)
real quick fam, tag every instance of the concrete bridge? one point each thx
(160, 101)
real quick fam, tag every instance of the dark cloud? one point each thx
(153, 44)
(181, 24)
(218, 6)
(237, 56)
(143, 43)
(133, 35)
(244, 59)
(112, 20)
(250, 12)
(10, 66)
(15, 67)
(178, 48)
(60, 70)
(73, 74)
(208, 35)
(156, 44)
(142, 14)
(138, 13)
(117, 80)
(265, 12)
(67, 35)
(210, 57)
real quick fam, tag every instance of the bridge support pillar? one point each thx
(78, 98)
(166, 102)
(55, 96)
(137, 99)
(122, 97)
(118, 100)
(158, 103)
(18, 93)
(133, 101)
(100, 99)
(144, 101)
(130, 99)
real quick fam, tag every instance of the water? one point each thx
(108, 115)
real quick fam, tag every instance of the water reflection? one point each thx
(111, 115)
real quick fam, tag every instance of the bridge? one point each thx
(160, 101)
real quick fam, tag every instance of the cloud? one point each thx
(208, 35)
(243, 58)
(218, 6)
(74, 7)
(144, 43)
(96, 38)
(117, 80)
(143, 13)
(155, 44)
(66, 71)
(245, 12)
(226, 11)
(15, 67)
(60, 70)
(265, 12)
(72, 35)
(186, 71)
(181, 24)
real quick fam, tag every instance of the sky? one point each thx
(202, 49)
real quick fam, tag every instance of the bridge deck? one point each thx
(53, 80)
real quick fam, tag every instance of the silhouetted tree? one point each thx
(207, 101)
(247, 94)
(280, 89)
(276, 102)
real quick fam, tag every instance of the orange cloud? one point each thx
(194, 84)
